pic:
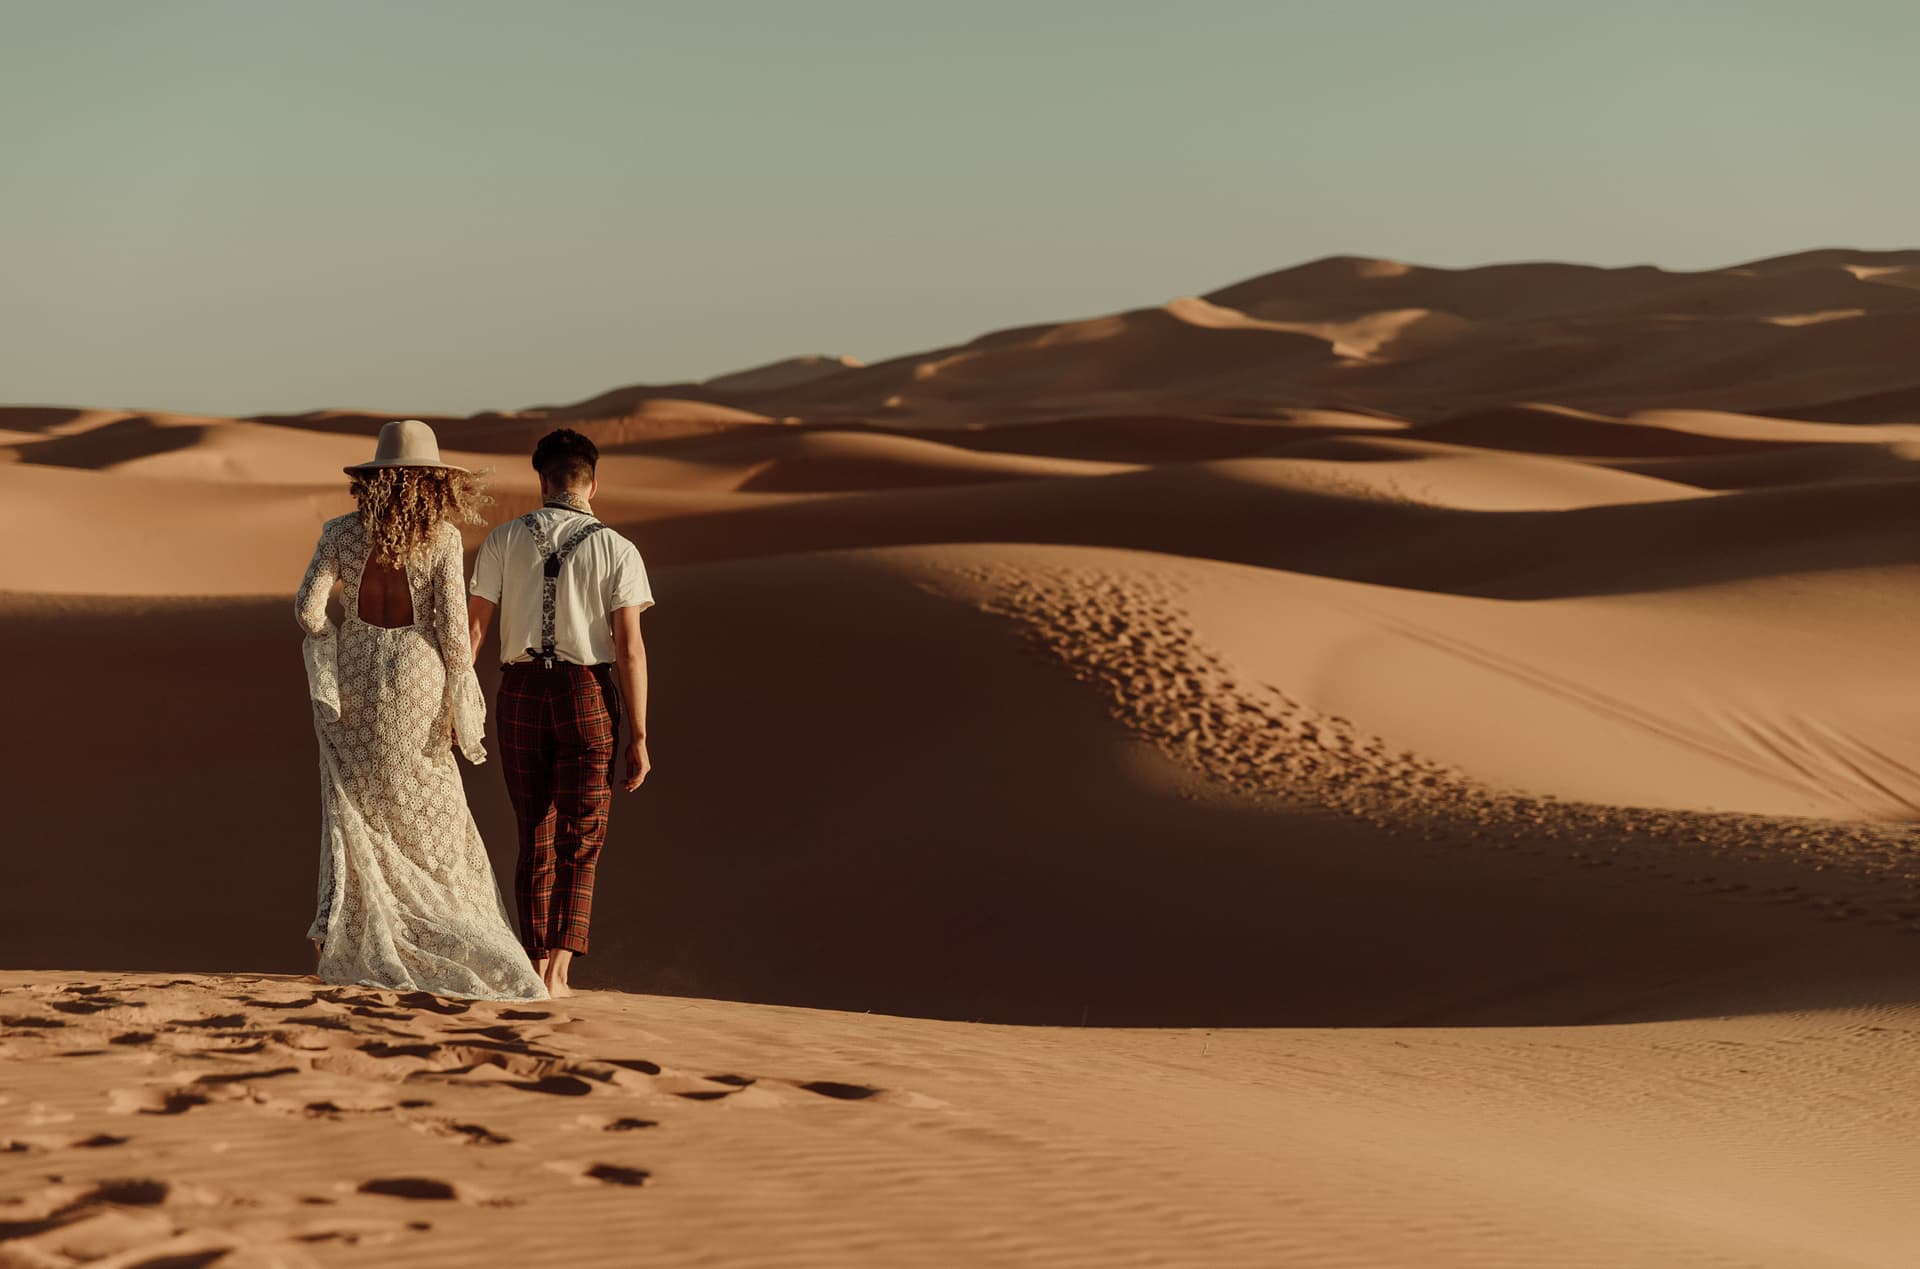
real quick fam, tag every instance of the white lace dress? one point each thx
(408, 898)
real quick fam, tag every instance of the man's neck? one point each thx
(568, 500)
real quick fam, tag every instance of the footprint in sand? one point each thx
(613, 1174)
(133, 1193)
(29, 1022)
(411, 1187)
(219, 1022)
(260, 1002)
(91, 1006)
(470, 1134)
(381, 1049)
(154, 1101)
(605, 1173)
(554, 1085)
(91, 1231)
(238, 1077)
(431, 1190)
(320, 1020)
(844, 1092)
(42, 1143)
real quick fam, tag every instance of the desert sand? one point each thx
(1371, 765)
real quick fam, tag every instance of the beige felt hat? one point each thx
(405, 443)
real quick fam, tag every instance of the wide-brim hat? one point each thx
(405, 443)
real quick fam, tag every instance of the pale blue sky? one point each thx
(257, 205)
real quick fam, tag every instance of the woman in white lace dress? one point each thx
(408, 898)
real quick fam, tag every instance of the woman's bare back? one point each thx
(386, 598)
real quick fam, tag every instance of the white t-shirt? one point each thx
(604, 572)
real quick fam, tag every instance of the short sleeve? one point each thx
(630, 588)
(487, 567)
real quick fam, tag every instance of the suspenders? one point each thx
(552, 560)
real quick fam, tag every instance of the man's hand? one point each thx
(638, 764)
(630, 675)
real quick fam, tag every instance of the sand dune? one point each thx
(1389, 336)
(1837, 463)
(1369, 765)
(1898, 405)
(157, 537)
(786, 373)
(1854, 260)
(1519, 292)
(708, 1132)
(1888, 275)
(1090, 812)
(1436, 474)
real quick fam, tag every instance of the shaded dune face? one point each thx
(981, 842)
(1359, 644)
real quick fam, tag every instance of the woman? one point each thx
(408, 898)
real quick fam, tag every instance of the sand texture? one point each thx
(1371, 766)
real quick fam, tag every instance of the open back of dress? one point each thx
(386, 596)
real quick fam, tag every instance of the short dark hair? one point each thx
(565, 458)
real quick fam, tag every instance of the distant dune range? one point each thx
(1462, 652)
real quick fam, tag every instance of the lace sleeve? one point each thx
(310, 603)
(320, 648)
(465, 705)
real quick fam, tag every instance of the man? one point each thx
(570, 592)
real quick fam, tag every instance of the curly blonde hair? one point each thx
(400, 507)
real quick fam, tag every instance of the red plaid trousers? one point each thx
(558, 731)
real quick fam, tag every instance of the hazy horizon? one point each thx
(443, 208)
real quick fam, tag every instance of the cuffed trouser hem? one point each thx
(578, 946)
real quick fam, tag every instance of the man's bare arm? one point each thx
(630, 671)
(479, 617)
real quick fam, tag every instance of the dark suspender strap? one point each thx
(541, 541)
(551, 561)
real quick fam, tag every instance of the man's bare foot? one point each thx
(556, 973)
(540, 966)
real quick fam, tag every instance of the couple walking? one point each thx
(408, 898)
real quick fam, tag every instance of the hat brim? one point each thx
(403, 462)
